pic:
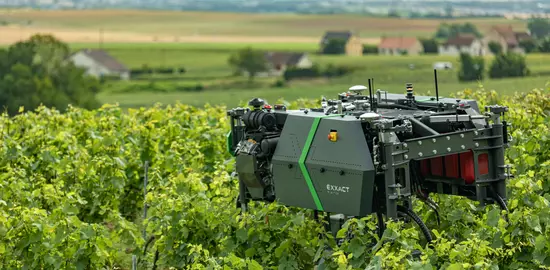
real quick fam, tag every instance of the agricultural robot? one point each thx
(363, 154)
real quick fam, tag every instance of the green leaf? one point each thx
(282, 248)
(70, 209)
(277, 221)
(497, 241)
(540, 243)
(455, 266)
(375, 264)
(254, 265)
(120, 162)
(242, 234)
(357, 248)
(493, 217)
(250, 252)
(533, 222)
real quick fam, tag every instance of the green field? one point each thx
(206, 64)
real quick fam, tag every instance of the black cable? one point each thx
(431, 204)
(146, 247)
(147, 244)
(424, 197)
(156, 259)
(417, 220)
(499, 199)
(501, 203)
(381, 224)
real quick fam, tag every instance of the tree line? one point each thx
(510, 64)
(252, 62)
(38, 72)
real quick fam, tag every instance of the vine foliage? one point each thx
(71, 197)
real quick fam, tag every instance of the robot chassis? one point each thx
(363, 154)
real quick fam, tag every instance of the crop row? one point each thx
(71, 197)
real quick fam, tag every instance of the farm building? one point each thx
(278, 62)
(464, 43)
(400, 46)
(507, 38)
(99, 63)
(353, 45)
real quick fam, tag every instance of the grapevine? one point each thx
(71, 197)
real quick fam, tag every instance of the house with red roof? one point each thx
(400, 46)
(508, 38)
(464, 43)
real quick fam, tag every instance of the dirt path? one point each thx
(12, 34)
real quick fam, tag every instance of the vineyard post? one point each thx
(145, 182)
(134, 262)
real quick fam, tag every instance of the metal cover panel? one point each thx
(290, 185)
(350, 193)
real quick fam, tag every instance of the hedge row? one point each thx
(149, 70)
(316, 71)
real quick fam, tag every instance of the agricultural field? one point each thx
(202, 42)
(206, 64)
(72, 196)
(175, 26)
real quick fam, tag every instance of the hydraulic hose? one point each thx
(501, 203)
(381, 224)
(499, 199)
(418, 221)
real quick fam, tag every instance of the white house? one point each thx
(99, 63)
(463, 44)
(278, 62)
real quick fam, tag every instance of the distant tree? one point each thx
(544, 45)
(539, 27)
(4, 62)
(471, 68)
(495, 47)
(470, 28)
(508, 65)
(370, 49)
(449, 10)
(430, 45)
(249, 60)
(37, 72)
(335, 46)
(528, 45)
(393, 14)
(414, 14)
(446, 31)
